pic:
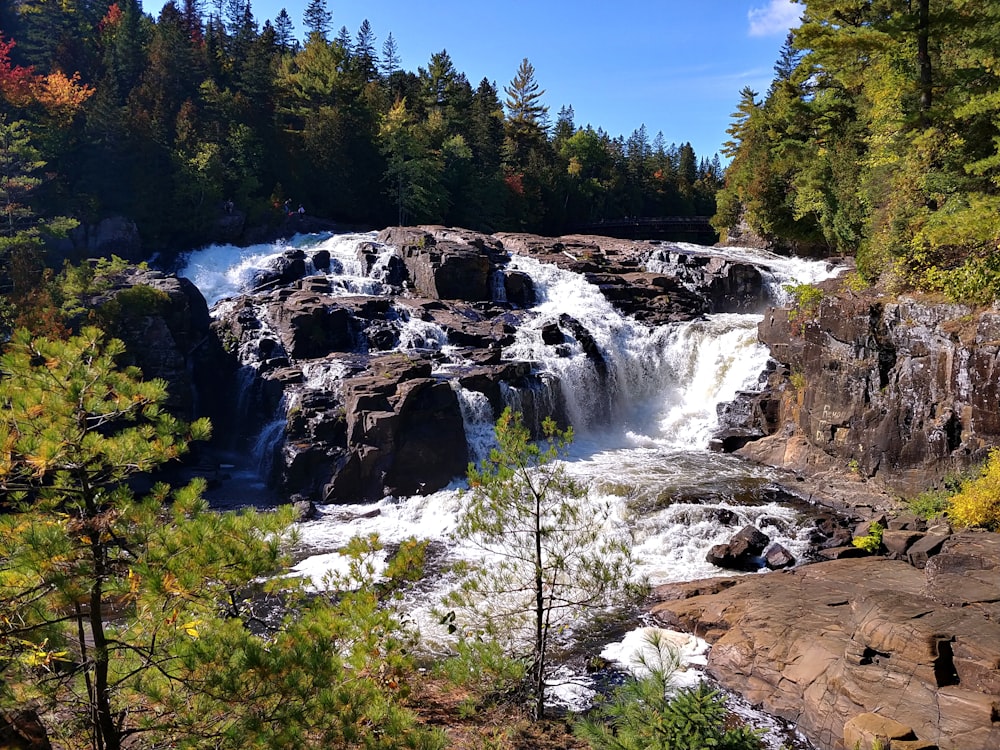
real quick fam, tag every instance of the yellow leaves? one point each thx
(134, 579)
(39, 657)
(978, 504)
(190, 627)
(171, 585)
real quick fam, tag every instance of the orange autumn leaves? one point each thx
(60, 95)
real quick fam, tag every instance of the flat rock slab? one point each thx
(824, 643)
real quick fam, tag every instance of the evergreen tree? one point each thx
(649, 713)
(524, 106)
(283, 30)
(139, 622)
(317, 19)
(548, 557)
(390, 56)
(365, 56)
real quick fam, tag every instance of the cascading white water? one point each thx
(477, 414)
(597, 395)
(643, 413)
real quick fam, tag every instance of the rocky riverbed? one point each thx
(865, 398)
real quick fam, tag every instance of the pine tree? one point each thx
(548, 557)
(365, 56)
(524, 107)
(140, 621)
(283, 30)
(317, 19)
(391, 60)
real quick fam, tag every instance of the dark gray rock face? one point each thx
(114, 235)
(905, 392)
(742, 552)
(165, 325)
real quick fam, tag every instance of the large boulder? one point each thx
(822, 644)
(165, 325)
(445, 264)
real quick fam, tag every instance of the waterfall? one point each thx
(659, 383)
(415, 333)
(477, 415)
(776, 270)
(606, 362)
(269, 441)
(642, 401)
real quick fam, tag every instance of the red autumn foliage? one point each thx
(58, 93)
(515, 183)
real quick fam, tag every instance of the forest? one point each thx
(879, 138)
(167, 120)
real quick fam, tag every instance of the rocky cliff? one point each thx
(899, 392)
(906, 652)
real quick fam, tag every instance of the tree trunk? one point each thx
(105, 729)
(924, 56)
(539, 665)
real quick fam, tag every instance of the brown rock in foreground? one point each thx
(822, 644)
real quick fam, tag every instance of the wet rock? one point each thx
(288, 267)
(519, 289)
(165, 325)
(777, 557)
(742, 551)
(444, 264)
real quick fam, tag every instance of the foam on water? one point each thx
(642, 418)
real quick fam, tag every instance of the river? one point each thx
(642, 431)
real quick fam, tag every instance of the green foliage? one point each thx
(930, 503)
(880, 138)
(647, 713)
(977, 504)
(549, 557)
(806, 299)
(154, 617)
(182, 113)
(872, 542)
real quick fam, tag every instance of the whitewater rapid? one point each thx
(642, 426)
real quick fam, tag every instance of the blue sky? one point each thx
(676, 66)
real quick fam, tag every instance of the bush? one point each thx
(806, 299)
(873, 542)
(647, 714)
(978, 502)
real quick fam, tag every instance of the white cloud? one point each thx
(777, 17)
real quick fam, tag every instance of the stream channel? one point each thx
(642, 436)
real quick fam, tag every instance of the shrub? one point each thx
(930, 503)
(978, 502)
(805, 303)
(873, 541)
(647, 714)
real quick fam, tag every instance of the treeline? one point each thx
(168, 120)
(880, 137)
